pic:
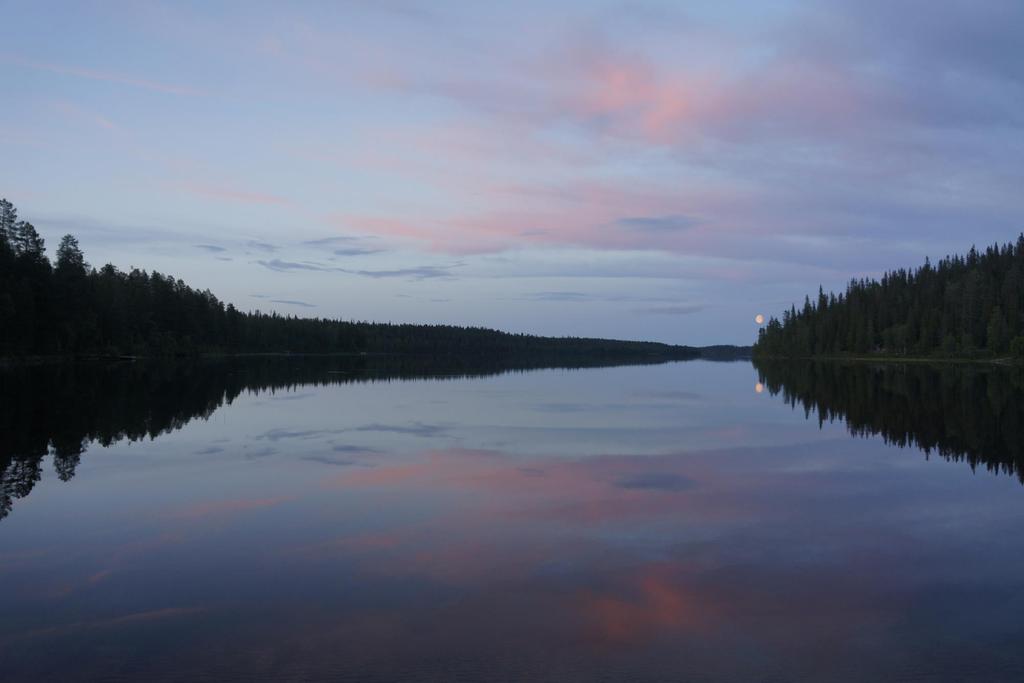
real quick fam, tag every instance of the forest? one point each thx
(68, 308)
(961, 307)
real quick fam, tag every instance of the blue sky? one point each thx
(657, 170)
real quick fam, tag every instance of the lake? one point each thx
(299, 519)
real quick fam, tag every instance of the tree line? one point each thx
(964, 306)
(70, 308)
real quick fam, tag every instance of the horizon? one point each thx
(575, 170)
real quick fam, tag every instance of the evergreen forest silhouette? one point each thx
(962, 307)
(68, 308)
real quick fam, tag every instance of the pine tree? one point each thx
(997, 338)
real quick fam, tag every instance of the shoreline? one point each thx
(124, 358)
(1004, 361)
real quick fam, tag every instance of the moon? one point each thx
(759, 319)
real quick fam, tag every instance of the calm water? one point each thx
(664, 522)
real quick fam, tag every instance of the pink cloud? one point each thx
(628, 96)
(623, 104)
(582, 492)
(551, 152)
(231, 194)
(101, 575)
(586, 214)
(92, 74)
(74, 111)
(654, 598)
(542, 507)
(225, 507)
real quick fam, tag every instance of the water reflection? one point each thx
(971, 413)
(632, 523)
(59, 409)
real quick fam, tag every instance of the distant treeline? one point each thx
(969, 413)
(965, 306)
(70, 308)
(726, 352)
(59, 409)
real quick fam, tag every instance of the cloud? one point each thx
(95, 75)
(210, 247)
(823, 121)
(229, 194)
(351, 448)
(252, 454)
(418, 273)
(657, 223)
(331, 241)
(126, 619)
(658, 481)
(293, 302)
(106, 233)
(326, 460)
(356, 251)
(76, 112)
(561, 296)
(820, 135)
(223, 507)
(285, 266)
(280, 433)
(414, 429)
(591, 297)
(681, 309)
(579, 213)
(415, 273)
(261, 246)
(344, 245)
(673, 395)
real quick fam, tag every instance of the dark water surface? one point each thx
(306, 520)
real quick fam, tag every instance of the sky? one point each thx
(650, 170)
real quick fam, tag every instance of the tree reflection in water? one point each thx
(59, 409)
(970, 413)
